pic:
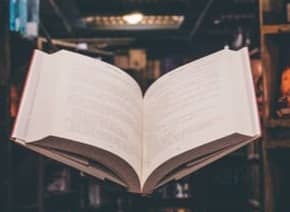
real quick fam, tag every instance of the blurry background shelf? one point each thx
(278, 144)
(275, 54)
(275, 29)
(272, 123)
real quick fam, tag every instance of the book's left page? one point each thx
(84, 100)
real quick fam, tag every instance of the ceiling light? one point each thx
(133, 18)
(147, 22)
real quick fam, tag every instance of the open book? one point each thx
(92, 116)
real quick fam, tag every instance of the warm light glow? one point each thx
(135, 21)
(133, 18)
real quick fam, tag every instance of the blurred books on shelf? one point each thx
(137, 59)
(14, 100)
(58, 179)
(24, 17)
(3, 103)
(121, 61)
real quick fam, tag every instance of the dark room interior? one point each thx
(147, 39)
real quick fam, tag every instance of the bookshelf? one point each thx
(274, 31)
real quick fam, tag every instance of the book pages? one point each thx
(98, 105)
(187, 108)
(245, 117)
(36, 111)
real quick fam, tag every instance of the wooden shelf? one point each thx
(278, 144)
(272, 123)
(275, 29)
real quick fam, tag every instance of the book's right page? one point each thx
(198, 103)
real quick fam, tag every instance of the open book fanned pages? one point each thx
(92, 116)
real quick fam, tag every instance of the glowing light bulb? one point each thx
(133, 18)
